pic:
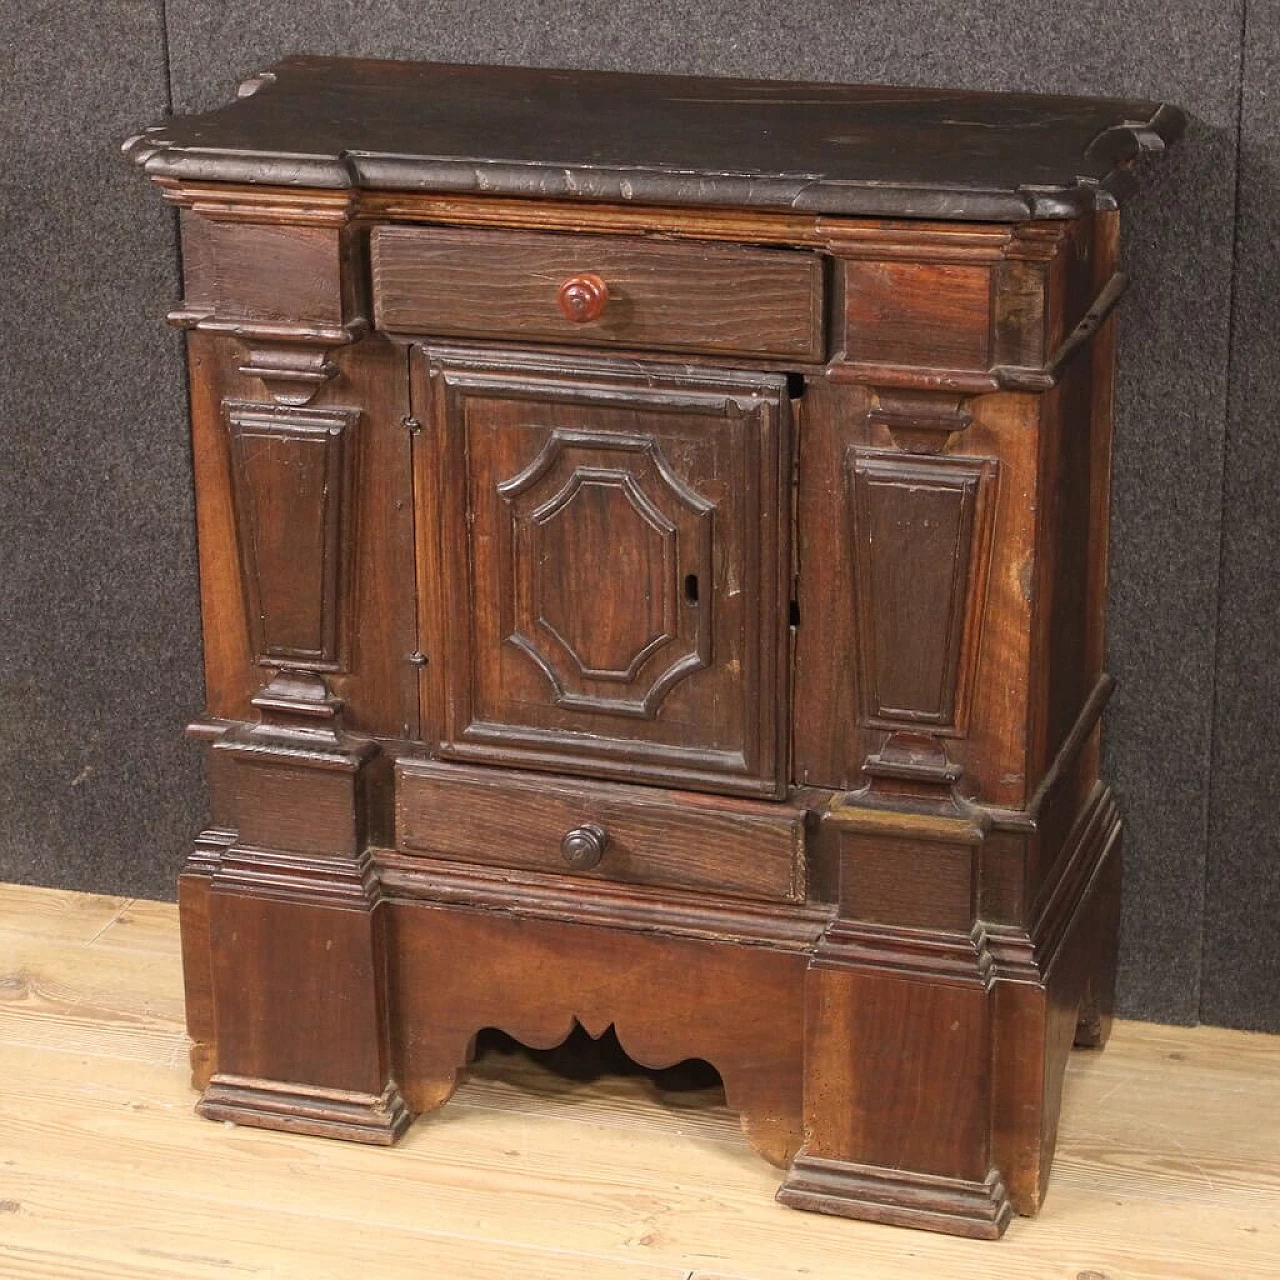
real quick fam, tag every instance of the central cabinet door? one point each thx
(604, 566)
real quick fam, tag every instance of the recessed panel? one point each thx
(292, 486)
(921, 533)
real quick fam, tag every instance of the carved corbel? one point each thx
(919, 421)
(298, 706)
(913, 767)
(281, 270)
(292, 373)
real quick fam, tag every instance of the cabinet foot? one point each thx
(900, 1198)
(324, 1113)
(1093, 1027)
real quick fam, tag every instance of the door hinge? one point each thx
(418, 658)
(411, 425)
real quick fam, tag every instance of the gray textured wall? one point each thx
(99, 660)
(1241, 970)
(99, 646)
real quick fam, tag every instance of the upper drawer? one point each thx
(598, 290)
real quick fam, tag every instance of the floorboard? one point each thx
(1168, 1164)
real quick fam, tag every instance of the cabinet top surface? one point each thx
(861, 150)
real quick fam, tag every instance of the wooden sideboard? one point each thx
(653, 547)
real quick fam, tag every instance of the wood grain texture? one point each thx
(830, 745)
(1167, 1161)
(72, 917)
(921, 535)
(714, 298)
(651, 837)
(916, 313)
(695, 460)
(292, 475)
(617, 565)
(281, 805)
(314, 1025)
(261, 273)
(664, 140)
(639, 985)
(380, 689)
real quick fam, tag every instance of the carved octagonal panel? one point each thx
(609, 553)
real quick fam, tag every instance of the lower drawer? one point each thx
(631, 835)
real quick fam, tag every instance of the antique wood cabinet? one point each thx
(653, 542)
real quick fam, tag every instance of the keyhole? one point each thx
(691, 588)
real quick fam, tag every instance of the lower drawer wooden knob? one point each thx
(584, 846)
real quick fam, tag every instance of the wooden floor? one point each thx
(1168, 1162)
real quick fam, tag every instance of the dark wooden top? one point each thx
(672, 140)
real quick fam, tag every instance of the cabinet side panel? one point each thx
(834, 733)
(378, 681)
(1071, 587)
(1069, 609)
(381, 689)
(230, 675)
(1076, 482)
(826, 739)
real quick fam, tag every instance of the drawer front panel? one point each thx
(526, 285)
(603, 563)
(642, 835)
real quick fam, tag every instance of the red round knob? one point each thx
(582, 298)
